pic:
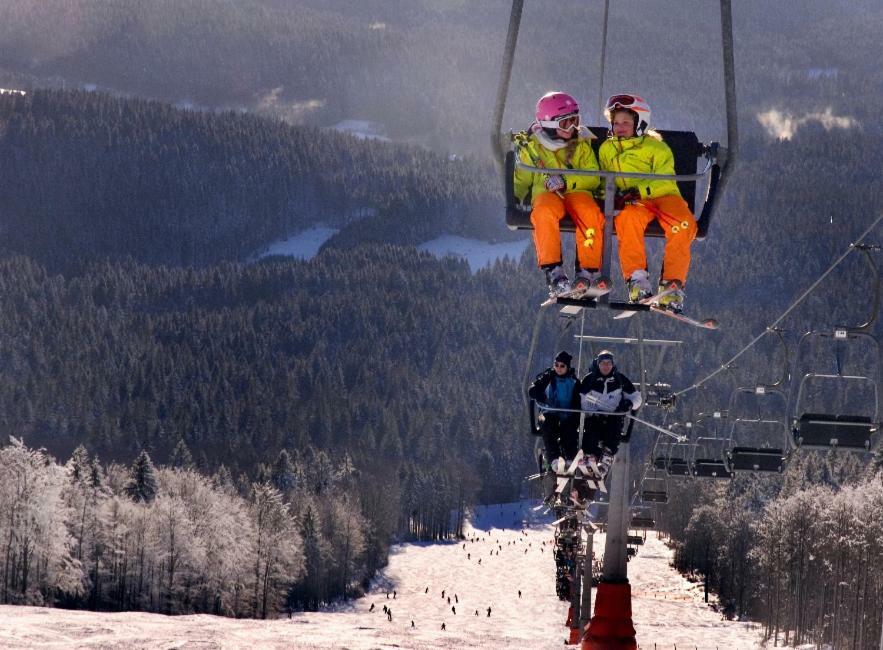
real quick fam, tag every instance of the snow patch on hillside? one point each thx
(478, 253)
(304, 245)
(362, 129)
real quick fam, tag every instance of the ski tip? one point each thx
(711, 324)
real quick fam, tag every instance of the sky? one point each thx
(508, 548)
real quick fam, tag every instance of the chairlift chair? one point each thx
(844, 430)
(763, 457)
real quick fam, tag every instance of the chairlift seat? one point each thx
(678, 467)
(687, 152)
(635, 540)
(660, 462)
(824, 430)
(654, 496)
(754, 459)
(640, 522)
(711, 468)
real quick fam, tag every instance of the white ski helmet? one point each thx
(630, 102)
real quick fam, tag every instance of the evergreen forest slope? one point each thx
(319, 62)
(91, 176)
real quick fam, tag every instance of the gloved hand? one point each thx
(625, 197)
(624, 406)
(555, 183)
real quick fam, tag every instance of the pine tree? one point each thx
(142, 484)
(282, 476)
(181, 457)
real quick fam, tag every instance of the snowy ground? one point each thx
(513, 547)
(305, 245)
(478, 253)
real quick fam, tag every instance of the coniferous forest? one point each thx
(188, 428)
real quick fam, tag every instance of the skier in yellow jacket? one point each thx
(633, 147)
(557, 141)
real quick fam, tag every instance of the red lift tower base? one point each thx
(611, 627)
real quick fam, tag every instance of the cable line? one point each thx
(812, 287)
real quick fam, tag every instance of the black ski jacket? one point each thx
(610, 394)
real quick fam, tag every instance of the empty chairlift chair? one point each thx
(758, 443)
(840, 425)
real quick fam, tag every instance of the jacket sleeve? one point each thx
(584, 158)
(537, 390)
(523, 179)
(631, 393)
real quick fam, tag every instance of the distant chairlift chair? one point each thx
(847, 431)
(763, 457)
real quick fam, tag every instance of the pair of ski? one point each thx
(656, 308)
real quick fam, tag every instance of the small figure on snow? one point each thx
(443, 627)
(634, 147)
(557, 141)
(454, 609)
(519, 593)
(372, 608)
(610, 394)
(488, 612)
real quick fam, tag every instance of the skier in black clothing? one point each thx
(558, 387)
(610, 394)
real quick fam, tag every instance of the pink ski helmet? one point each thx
(629, 102)
(557, 110)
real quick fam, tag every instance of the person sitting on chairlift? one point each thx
(610, 394)
(557, 141)
(558, 387)
(634, 147)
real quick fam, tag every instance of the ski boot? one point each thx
(587, 280)
(605, 462)
(639, 286)
(674, 301)
(559, 283)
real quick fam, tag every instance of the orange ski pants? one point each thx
(549, 209)
(677, 223)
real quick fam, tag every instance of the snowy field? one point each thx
(305, 245)
(478, 253)
(508, 549)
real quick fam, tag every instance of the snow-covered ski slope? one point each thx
(508, 549)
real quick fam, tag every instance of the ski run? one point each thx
(508, 549)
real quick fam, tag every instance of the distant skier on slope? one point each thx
(557, 141)
(634, 147)
(610, 394)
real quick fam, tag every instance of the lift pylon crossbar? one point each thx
(626, 340)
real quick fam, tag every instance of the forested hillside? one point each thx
(91, 176)
(319, 62)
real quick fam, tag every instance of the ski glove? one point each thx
(555, 183)
(625, 197)
(624, 406)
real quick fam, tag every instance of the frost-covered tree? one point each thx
(37, 558)
(283, 476)
(277, 557)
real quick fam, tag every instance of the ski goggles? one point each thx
(621, 101)
(565, 122)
